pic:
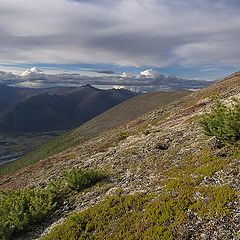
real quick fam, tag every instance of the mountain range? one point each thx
(51, 109)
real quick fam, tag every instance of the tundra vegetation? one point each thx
(165, 215)
(22, 209)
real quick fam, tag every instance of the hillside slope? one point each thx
(127, 111)
(167, 180)
(114, 117)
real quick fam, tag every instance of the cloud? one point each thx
(31, 72)
(148, 80)
(156, 33)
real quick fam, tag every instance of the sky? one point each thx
(187, 38)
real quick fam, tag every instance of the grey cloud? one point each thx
(141, 32)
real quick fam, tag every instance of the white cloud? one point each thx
(148, 80)
(126, 75)
(31, 72)
(149, 73)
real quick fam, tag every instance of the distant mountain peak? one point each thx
(31, 71)
(88, 86)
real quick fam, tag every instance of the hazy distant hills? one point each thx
(9, 96)
(34, 110)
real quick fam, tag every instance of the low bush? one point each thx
(78, 179)
(223, 123)
(123, 135)
(20, 209)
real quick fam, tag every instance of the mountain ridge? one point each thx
(57, 108)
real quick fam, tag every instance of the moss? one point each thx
(214, 201)
(195, 168)
(130, 151)
(108, 220)
(235, 152)
(210, 165)
(148, 216)
(137, 216)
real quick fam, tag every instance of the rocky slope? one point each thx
(165, 151)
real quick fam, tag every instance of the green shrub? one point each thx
(19, 209)
(78, 179)
(138, 216)
(123, 135)
(118, 217)
(223, 123)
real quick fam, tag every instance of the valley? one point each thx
(13, 147)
